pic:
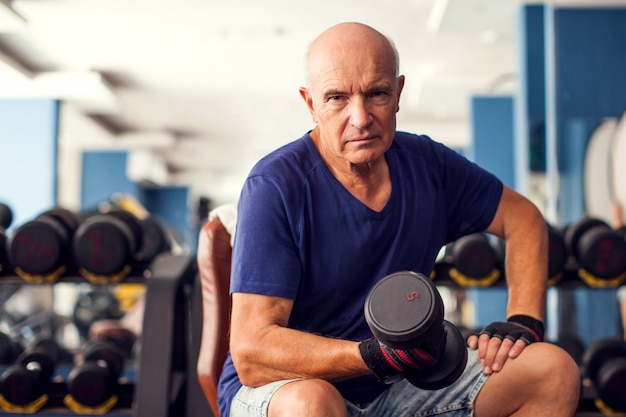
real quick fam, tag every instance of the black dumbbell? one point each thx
(95, 305)
(95, 380)
(572, 344)
(557, 254)
(10, 349)
(6, 218)
(599, 251)
(475, 260)
(604, 364)
(155, 239)
(29, 378)
(404, 308)
(106, 245)
(40, 249)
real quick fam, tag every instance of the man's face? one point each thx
(353, 97)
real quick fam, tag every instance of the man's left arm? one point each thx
(524, 230)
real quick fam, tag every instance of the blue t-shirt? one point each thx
(301, 235)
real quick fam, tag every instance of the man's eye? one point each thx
(334, 98)
(379, 97)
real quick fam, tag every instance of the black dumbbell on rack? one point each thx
(405, 309)
(155, 239)
(557, 254)
(93, 383)
(40, 250)
(604, 363)
(10, 349)
(6, 218)
(94, 305)
(25, 384)
(599, 251)
(475, 260)
(106, 245)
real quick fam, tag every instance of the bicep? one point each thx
(514, 211)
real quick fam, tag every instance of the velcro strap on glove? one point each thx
(519, 327)
(386, 362)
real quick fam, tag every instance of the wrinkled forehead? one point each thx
(350, 48)
(351, 60)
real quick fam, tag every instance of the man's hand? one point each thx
(502, 340)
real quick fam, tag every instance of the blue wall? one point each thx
(28, 169)
(171, 204)
(104, 174)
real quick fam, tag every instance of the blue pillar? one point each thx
(492, 147)
(590, 85)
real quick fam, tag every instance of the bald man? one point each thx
(324, 218)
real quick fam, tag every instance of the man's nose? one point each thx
(360, 115)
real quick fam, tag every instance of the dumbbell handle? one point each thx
(405, 311)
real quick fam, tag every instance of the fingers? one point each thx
(472, 342)
(493, 352)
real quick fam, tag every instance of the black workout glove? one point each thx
(519, 327)
(389, 364)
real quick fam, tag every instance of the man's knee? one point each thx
(307, 397)
(543, 379)
(548, 363)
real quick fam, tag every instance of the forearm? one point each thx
(526, 270)
(283, 353)
(264, 349)
(524, 230)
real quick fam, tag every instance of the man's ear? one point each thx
(308, 99)
(400, 87)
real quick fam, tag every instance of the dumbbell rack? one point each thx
(570, 278)
(165, 380)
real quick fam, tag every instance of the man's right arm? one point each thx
(264, 350)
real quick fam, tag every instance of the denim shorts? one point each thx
(401, 400)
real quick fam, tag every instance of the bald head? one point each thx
(339, 44)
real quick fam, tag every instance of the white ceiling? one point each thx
(219, 79)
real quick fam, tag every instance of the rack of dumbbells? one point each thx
(101, 249)
(585, 253)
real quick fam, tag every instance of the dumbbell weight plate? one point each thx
(26, 381)
(473, 256)
(108, 353)
(103, 245)
(611, 384)
(6, 216)
(605, 365)
(133, 224)
(451, 364)
(557, 252)
(602, 253)
(94, 382)
(154, 239)
(401, 307)
(574, 232)
(90, 385)
(20, 386)
(38, 247)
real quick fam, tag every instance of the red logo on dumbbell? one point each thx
(413, 295)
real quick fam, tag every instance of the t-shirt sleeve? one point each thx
(265, 257)
(472, 194)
